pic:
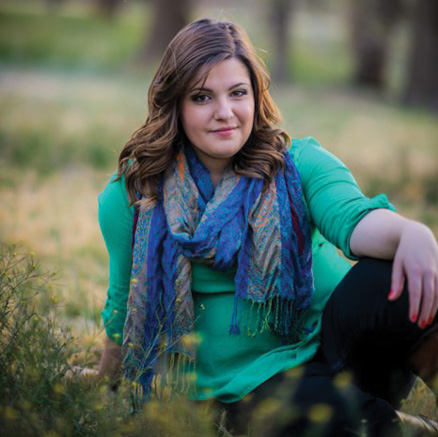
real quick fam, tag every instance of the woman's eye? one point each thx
(240, 93)
(200, 98)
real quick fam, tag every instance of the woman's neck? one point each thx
(215, 166)
(216, 177)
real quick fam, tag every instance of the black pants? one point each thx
(365, 338)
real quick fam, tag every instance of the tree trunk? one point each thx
(421, 87)
(372, 22)
(168, 17)
(281, 11)
(108, 8)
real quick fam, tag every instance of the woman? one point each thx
(223, 236)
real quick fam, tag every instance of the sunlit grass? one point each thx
(57, 219)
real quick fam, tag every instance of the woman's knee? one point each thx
(369, 278)
(359, 311)
(363, 295)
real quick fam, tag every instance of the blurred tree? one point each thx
(372, 22)
(54, 5)
(168, 17)
(108, 8)
(281, 15)
(421, 87)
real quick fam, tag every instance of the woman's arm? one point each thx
(115, 219)
(413, 247)
(339, 209)
(335, 202)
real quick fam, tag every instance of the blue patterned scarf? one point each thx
(265, 233)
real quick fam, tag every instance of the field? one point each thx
(71, 95)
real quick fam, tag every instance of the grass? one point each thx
(33, 36)
(37, 397)
(51, 120)
(70, 99)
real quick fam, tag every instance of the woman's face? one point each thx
(218, 115)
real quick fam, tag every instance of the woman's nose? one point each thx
(224, 110)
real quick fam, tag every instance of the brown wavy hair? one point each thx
(153, 146)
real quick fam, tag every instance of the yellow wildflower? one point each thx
(191, 340)
(58, 388)
(320, 413)
(295, 372)
(343, 379)
(97, 406)
(10, 413)
(268, 407)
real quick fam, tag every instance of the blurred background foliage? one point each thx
(359, 75)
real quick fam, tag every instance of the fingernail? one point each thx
(423, 324)
(430, 320)
(391, 294)
(414, 318)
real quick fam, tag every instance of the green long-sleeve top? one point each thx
(230, 366)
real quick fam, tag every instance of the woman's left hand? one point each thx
(416, 261)
(82, 373)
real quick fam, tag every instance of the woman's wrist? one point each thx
(111, 361)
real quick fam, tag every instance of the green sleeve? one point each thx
(116, 219)
(334, 200)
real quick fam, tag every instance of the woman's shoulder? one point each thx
(306, 145)
(113, 200)
(308, 152)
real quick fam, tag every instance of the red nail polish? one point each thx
(423, 324)
(391, 294)
(414, 318)
(430, 320)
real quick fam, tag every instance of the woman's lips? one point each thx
(224, 132)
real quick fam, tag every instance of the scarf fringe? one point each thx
(277, 314)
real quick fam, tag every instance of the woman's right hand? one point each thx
(110, 365)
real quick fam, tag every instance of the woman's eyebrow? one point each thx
(210, 90)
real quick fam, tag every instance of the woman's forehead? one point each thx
(224, 72)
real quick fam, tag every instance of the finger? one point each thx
(397, 280)
(73, 372)
(81, 372)
(414, 288)
(427, 300)
(88, 373)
